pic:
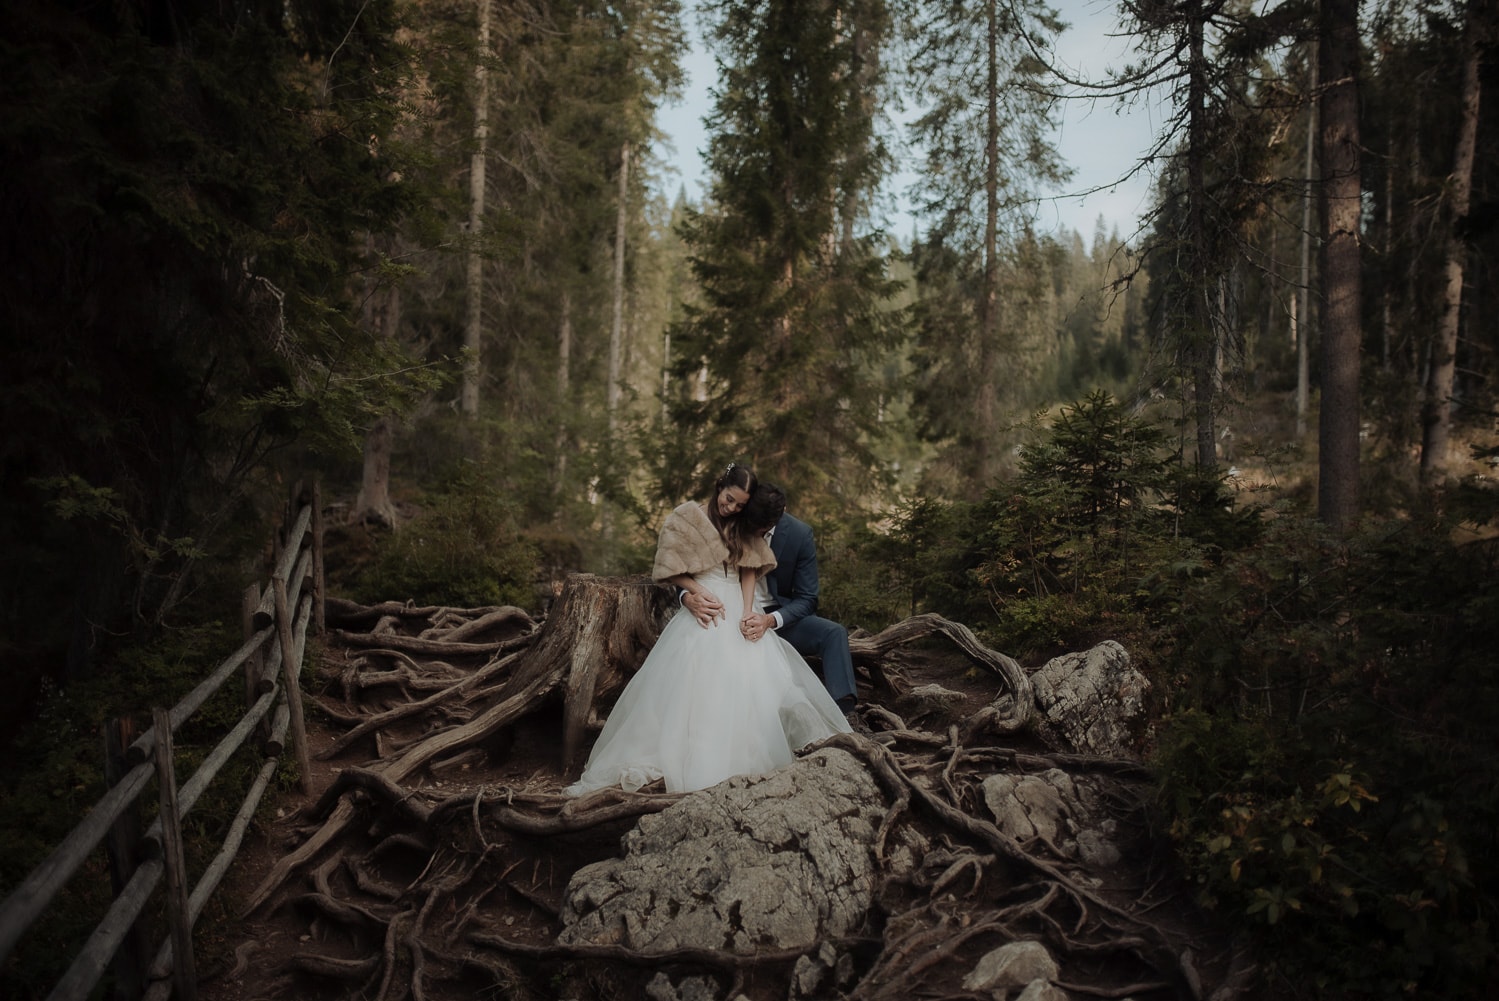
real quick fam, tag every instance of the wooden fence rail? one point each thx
(270, 660)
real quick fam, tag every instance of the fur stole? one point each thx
(690, 544)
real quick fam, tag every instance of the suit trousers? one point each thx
(826, 640)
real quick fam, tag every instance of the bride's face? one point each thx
(731, 501)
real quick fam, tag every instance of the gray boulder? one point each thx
(1086, 701)
(931, 703)
(773, 861)
(1065, 812)
(1014, 964)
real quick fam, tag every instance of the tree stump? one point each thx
(596, 637)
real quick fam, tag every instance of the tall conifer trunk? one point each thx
(473, 325)
(1303, 315)
(1203, 335)
(381, 317)
(1342, 289)
(1437, 417)
(564, 387)
(617, 321)
(988, 383)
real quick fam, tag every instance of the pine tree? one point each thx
(774, 363)
(985, 133)
(188, 188)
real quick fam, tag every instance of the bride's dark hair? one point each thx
(732, 530)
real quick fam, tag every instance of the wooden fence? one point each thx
(276, 620)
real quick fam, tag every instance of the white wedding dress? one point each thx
(708, 704)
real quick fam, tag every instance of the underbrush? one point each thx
(1324, 706)
(1329, 772)
(54, 775)
(464, 548)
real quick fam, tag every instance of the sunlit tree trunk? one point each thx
(1303, 315)
(1342, 290)
(474, 316)
(617, 322)
(1203, 335)
(1437, 422)
(988, 346)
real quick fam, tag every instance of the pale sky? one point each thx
(1101, 142)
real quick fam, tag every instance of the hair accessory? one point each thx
(728, 469)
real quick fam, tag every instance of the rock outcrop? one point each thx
(1087, 701)
(774, 861)
(1064, 812)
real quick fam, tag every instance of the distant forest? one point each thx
(262, 240)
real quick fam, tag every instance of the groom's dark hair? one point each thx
(766, 505)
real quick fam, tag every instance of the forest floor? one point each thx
(242, 949)
(342, 922)
(245, 957)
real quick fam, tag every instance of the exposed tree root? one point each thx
(417, 879)
(413, 644)
(410, 709)
(907, 631)
(713, 959)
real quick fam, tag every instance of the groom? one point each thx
(790, 606)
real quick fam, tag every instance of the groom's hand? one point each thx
(704, 607)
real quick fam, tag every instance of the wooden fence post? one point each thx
(319, 617)
(122, 845)
(290, 673)
(184, 969)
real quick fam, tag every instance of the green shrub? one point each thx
(463, 549)
(1327, 769)
(54, 775)
(1352, 888)
(1331, 778)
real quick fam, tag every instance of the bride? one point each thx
(708, 703)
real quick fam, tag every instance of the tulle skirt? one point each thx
(708, 704)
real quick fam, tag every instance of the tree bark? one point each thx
(1203, 335)
(382, 317)
(474, 317)
(1437, 419)
(1342, 289)
(564, 385)
(617, 322)
(1303, 315)
(373, 503)
(988, 334)
(597, 635)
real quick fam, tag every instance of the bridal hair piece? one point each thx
(728, 469)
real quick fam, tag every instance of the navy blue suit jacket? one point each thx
(793, 583)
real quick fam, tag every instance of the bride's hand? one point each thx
(753, 626)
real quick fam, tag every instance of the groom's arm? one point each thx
(802, 601)
(699, 601)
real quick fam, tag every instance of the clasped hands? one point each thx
(708, 610)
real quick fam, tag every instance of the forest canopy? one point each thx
(428, 252)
